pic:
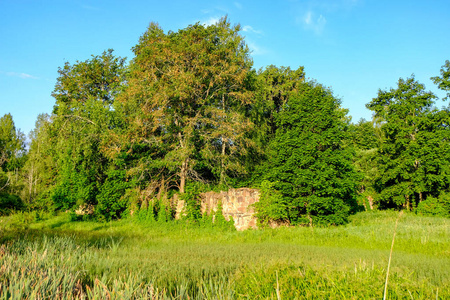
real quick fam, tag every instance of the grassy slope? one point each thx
(336, 262)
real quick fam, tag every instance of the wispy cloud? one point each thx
(206, 11)
(248, 28)
(20, 75)
(313, 22)
(255, 49)
(238, 5)
(311, 14)
(211, 21)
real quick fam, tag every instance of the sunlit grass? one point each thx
(126, 258)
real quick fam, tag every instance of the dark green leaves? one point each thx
(413, 162)
(308, 161)
(443, 82)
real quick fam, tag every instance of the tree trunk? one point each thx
(161, 188)
(407, 204)
(222, 162)
(222, 158)
(370, 199)
(30, 183)
(183, 175)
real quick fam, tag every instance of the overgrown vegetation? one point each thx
(189, 109)
(137, 259)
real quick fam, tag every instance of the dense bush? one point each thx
(439, 207)
(10, 203)
(111, 202)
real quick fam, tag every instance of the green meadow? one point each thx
(51, 257)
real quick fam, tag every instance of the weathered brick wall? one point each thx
(236, 203)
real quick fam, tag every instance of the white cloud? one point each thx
(21, 75)
(238, 5)
(248, 28)
(255, 49)
(312, 22)
(210, 21)
(307, 18)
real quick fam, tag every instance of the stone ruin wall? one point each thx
(236, 203)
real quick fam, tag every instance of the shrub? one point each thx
(192, 202)
(271, 205)
(435, 206)
(10, 203)
(111, 200)
(220, 221)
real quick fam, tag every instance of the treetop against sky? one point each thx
(356, 47)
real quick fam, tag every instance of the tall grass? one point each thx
(55, 258)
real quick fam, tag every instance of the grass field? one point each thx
(58, 259)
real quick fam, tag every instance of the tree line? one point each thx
(189, 113)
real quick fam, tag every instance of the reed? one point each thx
(58, 259)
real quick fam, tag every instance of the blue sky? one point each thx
(353, 46)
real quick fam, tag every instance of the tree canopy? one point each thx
(188, 113)
(308, 161)
(414, 159)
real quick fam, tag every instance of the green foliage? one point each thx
(10, 203)
(220, 221)
(55, 258)
(364, 135)
(207, 220)
(366, 162)
(12, 144)
(100, 77)
(192, 201)
(146, 213)
(12, 159)
(439, 207)
(443, 82)
(189, 113)
(272, 205)
(308, 161)
(413, 155)
(186, 92)
(39, 172)
(111, 202)
(272, 88)
(163, 214)
(150, 214)
(143, 212)
(76, 137)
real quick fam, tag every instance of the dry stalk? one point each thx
(390, 255)
(278, 288)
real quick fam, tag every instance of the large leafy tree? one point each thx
(100, 77)
(414, 159)
(186, 94)
(365, 137)
(82, 125)
(308, 161)
(12, 157)
(443, 81)
(272, 88)
(12, 143)
(38, 171)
